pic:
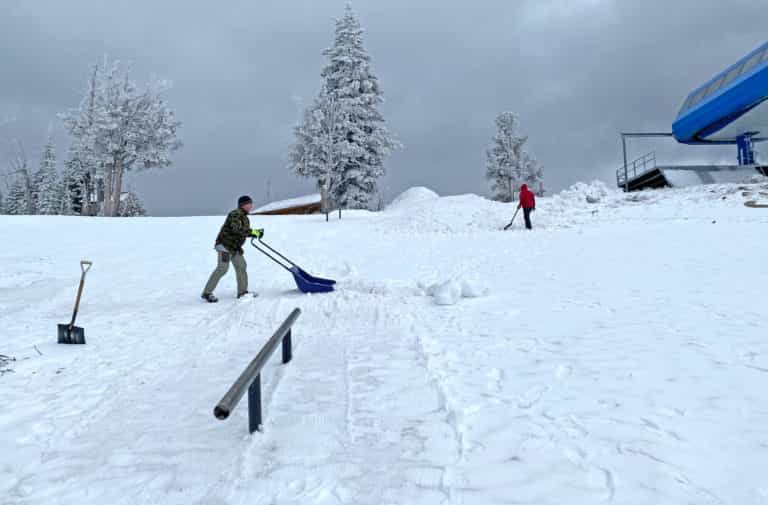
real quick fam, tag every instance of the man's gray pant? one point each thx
(222, 265)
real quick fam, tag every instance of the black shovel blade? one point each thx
(71, 334)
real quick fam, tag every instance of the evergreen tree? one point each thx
(47, 186)
(2, 204)
(533, 174)
(131, 206)
(348, 157)
(18, 201)
(319, 144)
(504, 159)
(74, 187)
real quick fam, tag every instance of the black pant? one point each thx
(527, 216)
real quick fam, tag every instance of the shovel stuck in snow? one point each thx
(69, 333)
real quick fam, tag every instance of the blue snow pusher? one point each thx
(305, 282)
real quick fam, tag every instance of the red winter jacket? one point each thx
(527, 200)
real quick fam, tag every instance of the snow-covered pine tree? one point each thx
(119, 128)
(504, 159)
(2, 204)
(74, 187)
(18, 201)
(352, 86)
(533, 174)
(131, 206)
(317, 151)
(47, 186)
(83, 167)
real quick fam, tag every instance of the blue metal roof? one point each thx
(731, 103)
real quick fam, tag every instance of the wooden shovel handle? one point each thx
(85, 265)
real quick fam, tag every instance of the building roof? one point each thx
(287, 204)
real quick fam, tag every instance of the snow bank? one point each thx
(413, 196)
(580, 193)
(420, 210)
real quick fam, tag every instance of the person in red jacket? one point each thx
(528, 204)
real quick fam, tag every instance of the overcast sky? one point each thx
(576, 71)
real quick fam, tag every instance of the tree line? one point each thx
(340, 143)
(117, 128)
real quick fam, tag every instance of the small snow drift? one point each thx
(451, 291)
(413, 196)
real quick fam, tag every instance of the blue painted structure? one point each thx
(730, 108)
(304, 281)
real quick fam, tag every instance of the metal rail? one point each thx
(640, 166)
(624, 136)
(250, 379)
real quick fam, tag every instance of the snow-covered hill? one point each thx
(618, 354)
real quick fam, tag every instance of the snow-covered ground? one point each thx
(619, 354)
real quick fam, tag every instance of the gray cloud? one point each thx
(577, 72)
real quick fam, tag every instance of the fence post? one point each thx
(287, 348)
(254, 405)
(626, 171)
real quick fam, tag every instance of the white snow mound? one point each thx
(580, 192)
(411, 197)
(447, 293)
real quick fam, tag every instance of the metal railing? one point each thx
(640, 166)
(250, 379)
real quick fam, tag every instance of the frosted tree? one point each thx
(2, 204)
(18, 201)
(74, 188)
(83, 166)
(131, 206)
(317, 151)
(20, 194)
(351, 85)
(533, 174)
(47, 186)
(504, 159)
(119, 128)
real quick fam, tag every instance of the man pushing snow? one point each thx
(229, 247)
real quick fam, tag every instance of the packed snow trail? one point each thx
(620, 356)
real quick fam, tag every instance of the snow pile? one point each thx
(756, 179)
(451, 291)
(581, 192)
(411, 197)
(420, 210)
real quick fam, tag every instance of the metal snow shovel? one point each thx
(513, 219)
(69, 333)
